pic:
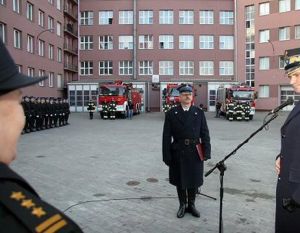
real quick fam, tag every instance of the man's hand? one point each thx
(277, 165)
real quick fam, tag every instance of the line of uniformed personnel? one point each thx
(44, 113)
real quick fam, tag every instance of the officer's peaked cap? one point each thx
(185, 88)
(10, 78)
(292, 59)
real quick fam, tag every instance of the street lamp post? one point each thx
(38, 36)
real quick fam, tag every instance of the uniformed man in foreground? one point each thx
(288, 161)
(185, 126)
(21, 209)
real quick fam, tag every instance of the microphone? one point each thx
(286, 103)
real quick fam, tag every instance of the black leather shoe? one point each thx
(192, 209)
(181, 211)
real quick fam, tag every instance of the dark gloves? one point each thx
(289, 204)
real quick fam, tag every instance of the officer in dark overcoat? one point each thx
(288, 161)
(185, 125)
(21, 208)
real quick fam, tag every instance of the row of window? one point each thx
(165, 42)
(51, 83)
(165, 67)
(283, 6)
(165, 17)
(264, 63)
(284, 33)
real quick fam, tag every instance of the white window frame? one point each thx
(206, 42)
(166, 17)
(3, 32)
(29, 11)
(51, 52)
(125, 17)
(166, 42)
(284, 33)
(106, 17)
(145, 67)
(59, 55)
(264, 91)
(30, 71)
(264, 63)
(206, 17)
(3, 2)
(126, 42)
(166, 67)
(297, 4)
(146, 17)
(186, 42)
(226, 42)
(106, 42)
(186, 17)
(58, 5)
(281, 62)
(105, 68)
(297, 31)
(41, 48)
(264, 36)
(145, 41)
(17, 6)
(125, 67)
(264, 8)
(50, 22)
(86, 18)
(206, 68)
(58, 28)
(86, 42)
(30, 43)
(17, 39)
(86, 68)
(226, 68)
(41, 18)
(226, 17)
(284, 6)
(51, 79)
(41, 74)
(186, 68)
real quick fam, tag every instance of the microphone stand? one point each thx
(222, 168)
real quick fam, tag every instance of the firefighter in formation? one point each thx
(238, 111)
(44, 113)
(91, 108)
(112, 108)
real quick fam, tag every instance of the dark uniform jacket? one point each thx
(22, 210)
(288, 185)
(185, 166)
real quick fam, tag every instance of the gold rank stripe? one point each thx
(56, 227)
(44, 225)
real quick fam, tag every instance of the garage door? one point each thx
(288, 92)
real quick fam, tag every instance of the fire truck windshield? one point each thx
(174, 92)
(115, 91)
(243, 95)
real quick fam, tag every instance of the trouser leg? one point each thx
(182, 202)
(191, 202)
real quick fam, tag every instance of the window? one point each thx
(206, 68)
(30, 71)
(146, 42)
(186, 67)
(226, 17)
(29, 11)
(125, 42)
(166, 67)
(17, 39)
(20, 67)
(146, 17)
(51, 2)
(50, 78)
(264, 36)
(86, 18)
(264, 63)
(226, 68)
(30, 44)
(206, 17)
(284, 5)
(50, 22)
(105, 67)
(264, 91)
(206, 42)
(58, 28)
(166, 42)
(166, 17)
(105, 42)
(297, 32)
(146, 68)
(58, 4)
(281, 62)
(51, 52)
(86, 68)
(284, 33)
(59, 55)
(3, 32)
(105, 17)
(186, 17)
(2, 2)
(41, 74)
(17, 6)
(59, 81)
(41, 18)
(186, 42)
(86, 42)
(41, 48)
(125, 17)
(297, 4)
(264, 8)
(125, 68)
(226, 42)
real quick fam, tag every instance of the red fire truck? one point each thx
(121, 93)
(236, 95)
(170, 96)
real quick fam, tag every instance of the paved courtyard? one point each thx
(115, 170)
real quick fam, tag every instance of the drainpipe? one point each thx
(235, 41)
(134, 41)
